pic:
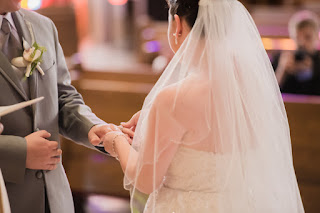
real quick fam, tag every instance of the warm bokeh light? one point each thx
(34, 4)
(118, 2)
(31, 4)
(37, 4)
(24, 4)
(278, 44)
(47, 3)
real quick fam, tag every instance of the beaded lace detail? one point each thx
(186, 187)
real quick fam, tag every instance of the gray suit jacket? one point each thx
(61, 112)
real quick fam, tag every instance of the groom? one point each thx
(30, 155)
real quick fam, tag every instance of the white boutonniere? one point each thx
(31, 58)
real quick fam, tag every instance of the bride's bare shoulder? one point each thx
(184, 93)
(167, 95)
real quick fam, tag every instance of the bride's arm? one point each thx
(146, 177)
(124, 151)
(148, 167)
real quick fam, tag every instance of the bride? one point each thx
(213, 134)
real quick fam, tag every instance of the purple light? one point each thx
(151, 46)
(98, 158)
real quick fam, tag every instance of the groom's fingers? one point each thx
(51, 166)
(114, 127)
(93, 138)
(97, 132)
(54, 160)
(57, 153)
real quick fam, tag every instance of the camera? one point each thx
(300, 55)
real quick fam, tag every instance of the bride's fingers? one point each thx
(128, 132)
(128, 138)
(129, 141)
(129, 123)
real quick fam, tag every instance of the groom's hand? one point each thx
(97, 132)
(42, 154)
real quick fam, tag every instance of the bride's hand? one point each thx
(110, 139)
(130, 126)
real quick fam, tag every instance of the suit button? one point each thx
(39, 174)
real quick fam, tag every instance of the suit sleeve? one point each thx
(13, 155)
(75, 118)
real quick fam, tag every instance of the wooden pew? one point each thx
(304, 119)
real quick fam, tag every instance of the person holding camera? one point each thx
(298, 71)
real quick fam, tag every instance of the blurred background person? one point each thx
(298, 71)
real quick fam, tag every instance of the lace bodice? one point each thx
(189, 170)
(186, 187)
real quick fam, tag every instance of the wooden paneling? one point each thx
(65, 21)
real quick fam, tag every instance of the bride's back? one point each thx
(192, 102)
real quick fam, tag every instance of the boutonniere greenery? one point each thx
(31, 58)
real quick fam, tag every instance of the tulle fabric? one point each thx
(219, 95)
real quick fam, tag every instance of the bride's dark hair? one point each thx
(188, 9)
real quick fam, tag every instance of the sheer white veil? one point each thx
(219, 94)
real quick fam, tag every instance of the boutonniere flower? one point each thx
(31, 58)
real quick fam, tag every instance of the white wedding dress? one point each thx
(218, 94)
(186, 187)
(199, 181)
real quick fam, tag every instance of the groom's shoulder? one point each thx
(35, 17)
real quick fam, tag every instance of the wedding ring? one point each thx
(121, 127)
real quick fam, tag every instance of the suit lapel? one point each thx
(22, 26)
(25, 29)
(8, 72)
(33, 84)
(5, 65)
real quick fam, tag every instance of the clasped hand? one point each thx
(125, 133)
(111, 138)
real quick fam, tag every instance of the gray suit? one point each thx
(62, 111)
